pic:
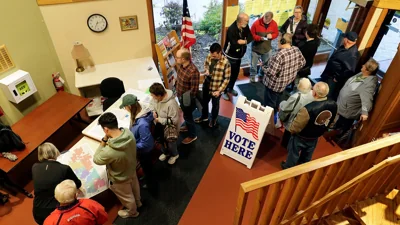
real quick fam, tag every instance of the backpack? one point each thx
(9, 140)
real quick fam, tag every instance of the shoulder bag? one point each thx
(284, 115)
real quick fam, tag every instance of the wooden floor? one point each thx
(215, 198)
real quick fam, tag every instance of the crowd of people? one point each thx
(340, 98)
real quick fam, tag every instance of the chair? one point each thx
(112, 88)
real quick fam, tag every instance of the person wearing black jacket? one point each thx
(46, 175)
(309, 49)
(237, 38)
(341, 65)
(297, 26)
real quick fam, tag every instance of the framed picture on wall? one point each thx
(128, 23)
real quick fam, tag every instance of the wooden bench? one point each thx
(40, 124)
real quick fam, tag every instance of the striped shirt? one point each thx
(220, 75)
(282, 68)
(188, 80)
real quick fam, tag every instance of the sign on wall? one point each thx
(246, 130)
(281, 9)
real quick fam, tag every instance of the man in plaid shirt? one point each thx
(281, 70)
(187, 86)
(218, 73)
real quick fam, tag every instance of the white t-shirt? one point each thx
(294, 27)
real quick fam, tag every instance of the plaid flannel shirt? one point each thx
(220, 75)
(188, 79)
(282, 68)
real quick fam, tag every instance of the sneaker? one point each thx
(200, 120)
(183, 129)
(162, 157)
(225, 96)
(189, 140)
(10, 156)
(278, 124)
(125, 214)
(252, 79)
(172, 160)
(234, 93)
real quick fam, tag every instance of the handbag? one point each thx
(284, 115)
(170, 131)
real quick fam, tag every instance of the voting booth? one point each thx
(249, 122)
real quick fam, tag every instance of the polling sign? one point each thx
(246, 130)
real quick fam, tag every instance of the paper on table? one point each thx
(145, 84)
(231, 14)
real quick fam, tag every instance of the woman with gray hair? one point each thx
(288, 109)
(74, 211)
(46, 175)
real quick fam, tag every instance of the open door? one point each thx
(385, 115)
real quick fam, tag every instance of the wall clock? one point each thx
(97, 23)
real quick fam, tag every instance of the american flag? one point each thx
(247, 123)
(187, 32)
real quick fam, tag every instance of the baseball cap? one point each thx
(128, 99)
(352, 36)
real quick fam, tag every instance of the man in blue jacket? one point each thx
(341, 65)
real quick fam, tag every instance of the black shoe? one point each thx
(283, 165)
(27, 194)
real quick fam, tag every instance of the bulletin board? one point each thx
(281, 9)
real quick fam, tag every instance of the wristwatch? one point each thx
(103, 140)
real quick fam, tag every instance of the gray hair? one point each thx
(321, 89)
(270, 14)
(304, 85)
(371, 65)
(298, 7)
(241, 16)
(47, 151)
(65, 192)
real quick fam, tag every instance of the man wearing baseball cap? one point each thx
(341, 65)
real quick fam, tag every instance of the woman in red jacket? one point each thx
(72, 211)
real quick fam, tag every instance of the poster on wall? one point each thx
(282, 9)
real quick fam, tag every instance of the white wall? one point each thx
(67, 24)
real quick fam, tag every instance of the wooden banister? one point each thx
(345, 187)
(283, 195)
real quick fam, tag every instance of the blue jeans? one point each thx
(271, 98)
(188, 116)
(300, 151)
(254, 62)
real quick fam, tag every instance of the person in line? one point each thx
(310, 123)
(356, 97)
(292, 106)
(309, 49)
(237, 38)
(187, 86)
(264, 30)
(341, 65)
(296, 25)
(117, 151)
(281, 70)
(72, 211)
(164, 106)
(218, 72)
(141, 120)
(46, 174)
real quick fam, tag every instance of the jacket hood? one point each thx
(120, 143)
(145, 110)
(303, 17)
(170, 95)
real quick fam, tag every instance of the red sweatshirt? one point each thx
(258, 30)
(84, 211)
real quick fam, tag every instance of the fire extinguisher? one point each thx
(58, 81)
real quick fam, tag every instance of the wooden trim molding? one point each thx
(387, 4)
(152, 29)
(55, 2)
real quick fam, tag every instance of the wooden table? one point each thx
(36, 127)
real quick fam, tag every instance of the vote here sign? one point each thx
(246, 130)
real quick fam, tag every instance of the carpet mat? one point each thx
(177, 183)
